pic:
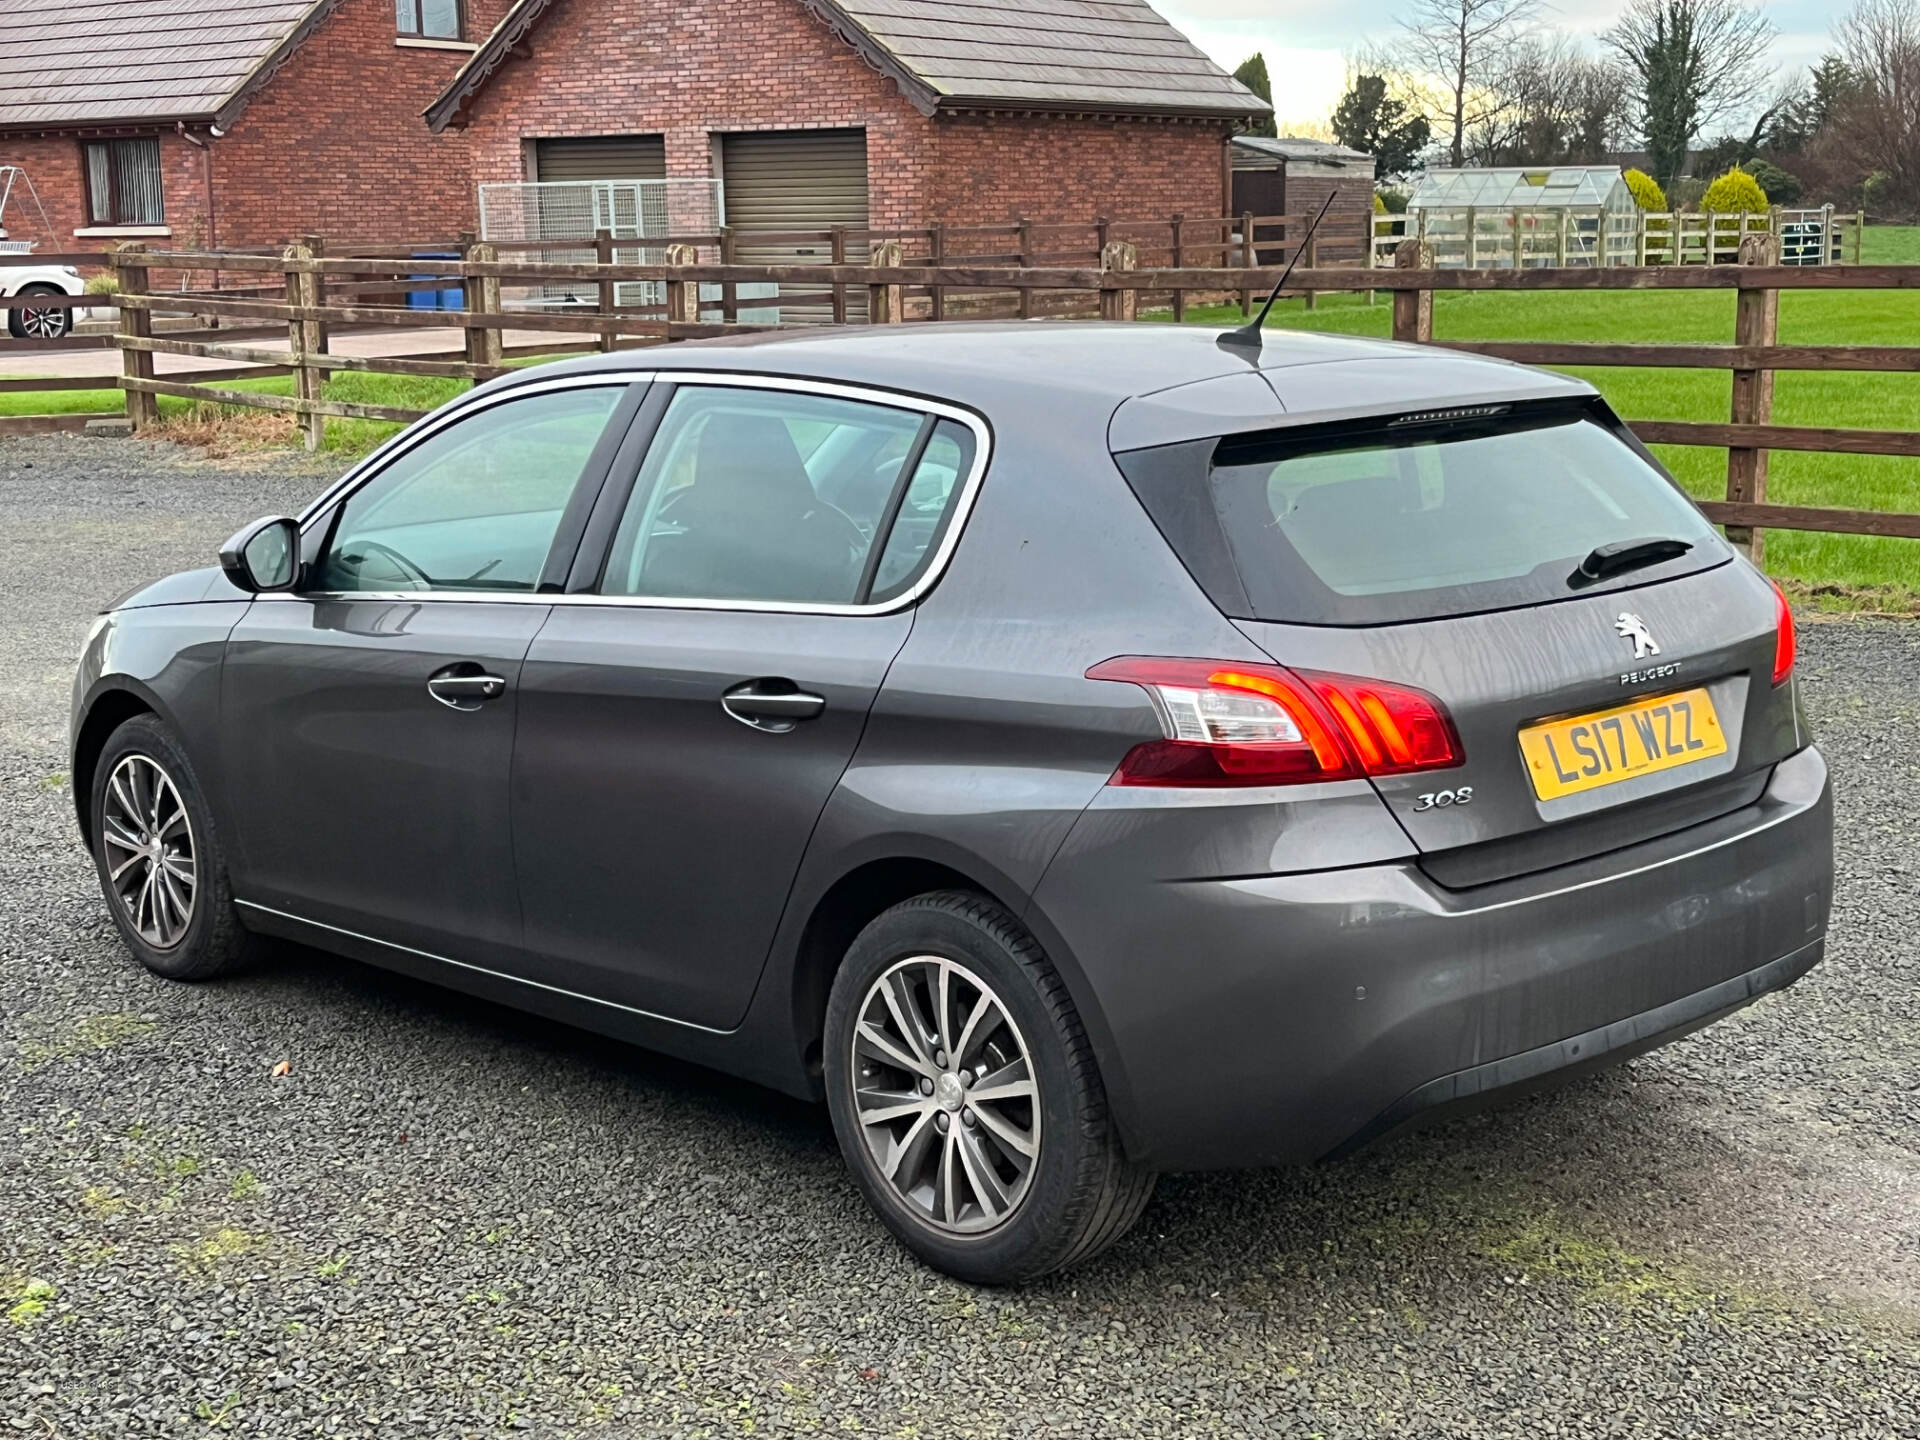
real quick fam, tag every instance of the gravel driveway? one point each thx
(449, 1219)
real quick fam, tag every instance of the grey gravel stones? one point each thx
(452, 1220)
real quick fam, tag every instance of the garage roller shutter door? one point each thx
(788, 180)
(602, 157)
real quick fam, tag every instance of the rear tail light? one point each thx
(1786, 644)
(1232, 724)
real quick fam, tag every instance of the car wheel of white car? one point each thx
(27, 322)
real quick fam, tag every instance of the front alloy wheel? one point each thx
(148, 838)
(160, 857)
(944, 1088)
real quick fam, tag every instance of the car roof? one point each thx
(1070, 366)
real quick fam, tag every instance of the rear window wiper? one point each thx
(1617, 557)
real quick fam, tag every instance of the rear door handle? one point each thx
(465, 687)
(772, 705)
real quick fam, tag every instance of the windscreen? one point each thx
(1419, 523)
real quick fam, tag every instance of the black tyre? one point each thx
(160, 859)
(30, 322)
(966, 1098)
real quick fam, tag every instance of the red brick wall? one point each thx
(335, 146)
(690, 71)
(990, 169)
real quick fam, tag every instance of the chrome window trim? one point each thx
(865, 394)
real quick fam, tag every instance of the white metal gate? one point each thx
(518, 216)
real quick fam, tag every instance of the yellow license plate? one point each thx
(1585, 752)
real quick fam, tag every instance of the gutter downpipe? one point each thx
(206, 172)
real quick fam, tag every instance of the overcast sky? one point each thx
(1305, 40)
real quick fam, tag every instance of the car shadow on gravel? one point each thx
(1541, 1189)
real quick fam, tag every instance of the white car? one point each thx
(28, 322)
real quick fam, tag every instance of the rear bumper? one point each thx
(1281, 1018)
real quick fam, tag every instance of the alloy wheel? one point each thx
(43, 324)
(147, 842)
(946, 1096)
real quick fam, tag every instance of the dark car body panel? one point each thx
(1222, 939)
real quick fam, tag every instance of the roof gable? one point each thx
(1107, 56)
(132, 62)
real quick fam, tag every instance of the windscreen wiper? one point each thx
(1617, 557)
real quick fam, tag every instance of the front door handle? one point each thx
(465, 687)
(773, 705)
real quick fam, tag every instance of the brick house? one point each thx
(876, 114)
(247, 123)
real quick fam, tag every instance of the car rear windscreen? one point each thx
(1402, 522)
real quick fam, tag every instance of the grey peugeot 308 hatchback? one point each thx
(1076, 752)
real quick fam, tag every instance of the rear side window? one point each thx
(779, 497)
(1393, 523)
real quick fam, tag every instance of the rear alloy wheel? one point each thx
(966, 1098)
(944, 1089)
(31, 322)
(162, 868)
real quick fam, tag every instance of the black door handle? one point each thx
(465, 687)
(772, 705)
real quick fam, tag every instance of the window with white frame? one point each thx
(429, 19)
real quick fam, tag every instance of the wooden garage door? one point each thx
(788, 180)
(602, 157)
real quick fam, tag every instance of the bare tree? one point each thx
(1692, 63)
(1465, 46)
(1563, 106)
(1879, 117)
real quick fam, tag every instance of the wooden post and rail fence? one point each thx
(312, 298)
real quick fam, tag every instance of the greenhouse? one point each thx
(1525, 218)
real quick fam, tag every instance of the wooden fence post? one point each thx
(143, 409)
(1120, 304)
(1179, 258)
(1756, 321)
(1413, 309)
(1310, 259)
(839, 252)
(1024, 232)
(603, 255)
(1859, 233)
(883, 301)
(1249, 258)
(937, 256)
(729, 289)
(482, 293)
(683, 296)
(1473, 239)
(303, 339)
(317, 249)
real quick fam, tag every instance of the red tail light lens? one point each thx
(1786, 643)
(1232, 724)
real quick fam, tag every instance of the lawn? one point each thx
(1863, 400)
(1868, 482)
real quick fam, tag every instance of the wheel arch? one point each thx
(875, 883)
(116, 701)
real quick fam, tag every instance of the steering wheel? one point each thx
(841, 526)
(421, 580)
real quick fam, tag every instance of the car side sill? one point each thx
(291, 927)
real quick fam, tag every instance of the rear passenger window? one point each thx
(775, 496)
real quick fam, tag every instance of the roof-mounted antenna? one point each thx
(1247, 337)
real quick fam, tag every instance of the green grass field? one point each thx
(1868, 401)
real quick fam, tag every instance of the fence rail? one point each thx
(310, 296)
